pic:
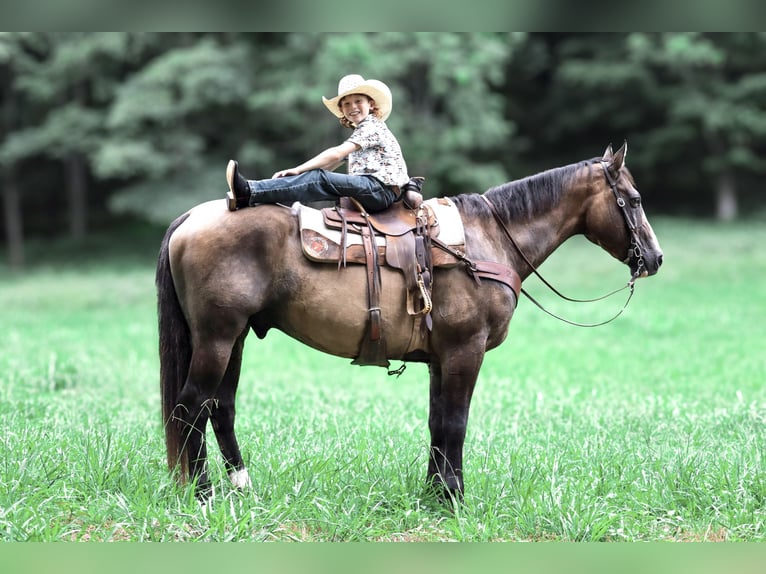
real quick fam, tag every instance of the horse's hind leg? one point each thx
(196, 403)
(222, 419)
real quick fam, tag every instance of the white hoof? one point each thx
(240, 479)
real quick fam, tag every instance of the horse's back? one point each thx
(211, 223)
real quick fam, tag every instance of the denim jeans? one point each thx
(322, 185)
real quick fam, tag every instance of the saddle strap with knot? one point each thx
(373, 347)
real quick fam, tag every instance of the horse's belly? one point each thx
(329, 310)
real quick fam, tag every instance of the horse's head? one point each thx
(615, 217)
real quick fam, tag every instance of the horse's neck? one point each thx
(533, 239)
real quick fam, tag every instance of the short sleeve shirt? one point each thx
(380, 155)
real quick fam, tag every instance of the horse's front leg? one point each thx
(452, 383)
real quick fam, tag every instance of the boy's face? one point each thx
(356, 107)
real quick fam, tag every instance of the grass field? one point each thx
(650, 428)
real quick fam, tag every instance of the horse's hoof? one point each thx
(444, 493)
(240, 479)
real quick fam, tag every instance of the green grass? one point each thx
(650, 428)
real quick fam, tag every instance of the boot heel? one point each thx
(231, 201)
(238, 195)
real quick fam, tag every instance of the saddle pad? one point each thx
(321, 243)
(448, 219)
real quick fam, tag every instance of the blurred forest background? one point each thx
(106, 129)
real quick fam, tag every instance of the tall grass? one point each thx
(650, 428)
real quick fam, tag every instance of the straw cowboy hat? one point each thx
(356, 84)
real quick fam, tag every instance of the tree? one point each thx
(14, 234)
(65, 79)
(11, 53)
(171, 123)
(715, 97)
(693, 104)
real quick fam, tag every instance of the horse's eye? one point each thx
(635, 202)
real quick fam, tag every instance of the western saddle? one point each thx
(413, 236)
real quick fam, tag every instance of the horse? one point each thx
(221, 274)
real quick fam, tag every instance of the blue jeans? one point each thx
(322, 185)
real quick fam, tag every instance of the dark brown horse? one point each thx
(221, 274)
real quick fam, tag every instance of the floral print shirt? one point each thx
(380, 156)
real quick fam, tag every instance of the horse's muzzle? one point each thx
(646, 264)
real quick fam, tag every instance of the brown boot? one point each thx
(238, 195)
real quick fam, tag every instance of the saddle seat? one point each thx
(394, 221)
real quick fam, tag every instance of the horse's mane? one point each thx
(524, 198)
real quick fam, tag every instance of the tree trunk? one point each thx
(14, 231)
(726, 197)
(77, 194)
(77, 185)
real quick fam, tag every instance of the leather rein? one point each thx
(635, 251)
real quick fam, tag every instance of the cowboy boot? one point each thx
(411, 195)
(238, 195)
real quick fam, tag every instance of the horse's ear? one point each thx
(608, 153)
(618, 159)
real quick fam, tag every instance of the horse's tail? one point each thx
(175, 355)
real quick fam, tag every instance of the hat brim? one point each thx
(374, 89)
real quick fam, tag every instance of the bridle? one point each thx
(635, 242)
(633, 251)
